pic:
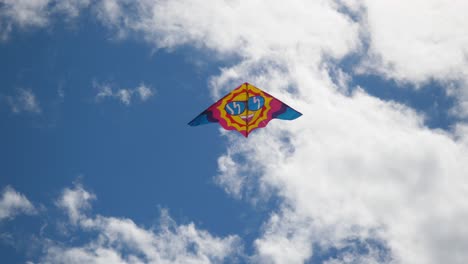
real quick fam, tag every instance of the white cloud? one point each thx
(120, 240)
(71, 7)
(13, 203)
(354, 168)
(419, 41)
(104, 90)
(123, 95)
(232, 26)
(428, 40)
(24, 101)
(110, 12)
(75, 202)
(144, 92)
(26, 14)
(360, 168)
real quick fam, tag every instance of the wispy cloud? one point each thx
(144, 92)
(70, 7)
(125, 96)
(13, 203)
(25, 14)
(75, 202)
(24, 101)
(120, 240)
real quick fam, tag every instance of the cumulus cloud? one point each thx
(13, 203)
(143, 92)
(356, 175)
(232, 27)
(24, 101)
(120, 240)
(427, 42)
(359, 168)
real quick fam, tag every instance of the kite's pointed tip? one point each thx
(244, 133)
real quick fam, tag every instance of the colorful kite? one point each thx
(245, 109)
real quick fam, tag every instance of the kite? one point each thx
(245, 109)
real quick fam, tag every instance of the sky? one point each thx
(98, 164)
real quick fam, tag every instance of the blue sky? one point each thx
(98, 162)
(141, 157)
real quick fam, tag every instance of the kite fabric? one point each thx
(245, 109)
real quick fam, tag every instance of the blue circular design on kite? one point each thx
(256, 102)
(235, 107)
